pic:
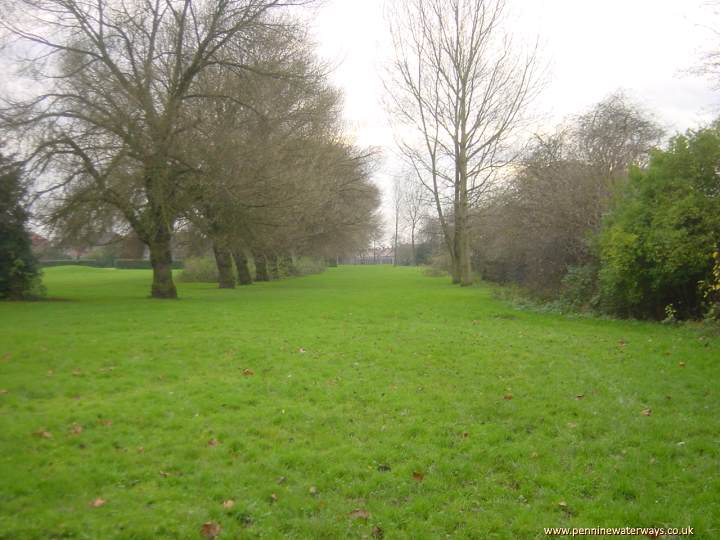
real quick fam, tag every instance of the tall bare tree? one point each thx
(117, 81)
(398, 196)
(458, 94)
(414, 210)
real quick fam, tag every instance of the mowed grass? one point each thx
(373, 389)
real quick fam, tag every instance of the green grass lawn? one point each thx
(377, 399)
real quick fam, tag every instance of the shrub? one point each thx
(140, 264)
(656, 247)
(19, 274)
(308, 265)
(579, 287)
(710, 290)
(71, 262)
(199, 270)
(439, 265)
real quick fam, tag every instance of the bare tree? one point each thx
(458, 94)
(118, 79)
(398, 196)
(415, 205)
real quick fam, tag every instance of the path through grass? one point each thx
(436, 410)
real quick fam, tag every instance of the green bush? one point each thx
(141, 264)
(72, 262)
(199, 270)
(579, 288)
(657, 245)
(308, 265)
(133, 264)
(19, 274)
(439, 265)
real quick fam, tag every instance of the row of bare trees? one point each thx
(173, 113)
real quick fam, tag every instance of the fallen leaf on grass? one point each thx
(508, 396)
(42, 434)
(646, 412)
(579, 396)
(213, 442)
(565, 508)
(76, 429)
(313, 491)
(3, 391)
(418, 476)
(97, 503)
(106, 422)
(465, 434)
(228, 504)
(273, 498)
(248, 372)
(377, 532)
(360, 514)
(301, 350)
(210, 530)
(681, 364)
(141, 449)
(76, 372)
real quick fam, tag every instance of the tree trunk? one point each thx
(412, 243)
(161, 261)
(275, 267)
(454, 270)
(455, 253)
(241, 264)
(463, 243)
(464, 261)
(223, 260)
(289, 266)
(461, 225)
(332, 262)
(261, 269)
(397, 218)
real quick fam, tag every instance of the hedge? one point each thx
(72, 262)
(141, 264)
(125, 264)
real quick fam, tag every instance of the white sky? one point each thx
(592, 47)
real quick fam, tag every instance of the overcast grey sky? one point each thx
(592, 47)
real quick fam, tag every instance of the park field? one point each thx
(365, 402)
